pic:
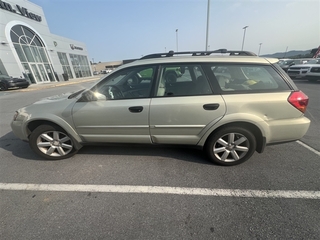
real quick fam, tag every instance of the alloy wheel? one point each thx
(54, 143)
(231, 147)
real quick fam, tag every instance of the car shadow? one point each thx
(9, 142)
(184, 153)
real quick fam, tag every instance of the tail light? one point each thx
(299, 100)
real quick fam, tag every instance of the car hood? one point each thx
(60, 97)
(57, 106)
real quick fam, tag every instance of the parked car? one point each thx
(106, 71)
(229, 106)
(301, 70)
(7, 82)
(95, 73)
(313, 73)
(286, 64)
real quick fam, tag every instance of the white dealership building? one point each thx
(28, 49)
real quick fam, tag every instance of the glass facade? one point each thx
(65, 64)
(32, 54)
(80, 65)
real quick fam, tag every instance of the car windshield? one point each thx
(285, 62)
(4, 76)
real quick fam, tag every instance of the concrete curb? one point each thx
(35, 87)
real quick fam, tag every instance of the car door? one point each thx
(184, 107)
(120, 111)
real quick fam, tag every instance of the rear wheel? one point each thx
(231, 146)
(51, 142)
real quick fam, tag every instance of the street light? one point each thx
(208, 13)
(259, 49)
(177, 38)
(244, 35)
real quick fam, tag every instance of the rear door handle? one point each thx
(136, 109)
(211, 106)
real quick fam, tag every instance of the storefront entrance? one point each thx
(32, 54)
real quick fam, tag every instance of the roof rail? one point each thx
(199, 53)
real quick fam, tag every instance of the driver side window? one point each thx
(128, 83)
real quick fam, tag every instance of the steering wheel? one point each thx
(114, 92)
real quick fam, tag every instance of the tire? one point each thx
(231, 146)
(3, 87)
(52, 143)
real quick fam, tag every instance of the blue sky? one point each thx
(125, 29)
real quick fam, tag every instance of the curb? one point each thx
(56, 84)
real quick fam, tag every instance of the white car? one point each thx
(313, 73)
(301, 70)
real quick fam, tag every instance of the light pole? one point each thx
(259, 49)
(208, 12)
(177, 38)
(244, 35)
(285, 52)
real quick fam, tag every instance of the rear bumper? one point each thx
(313, 77)
(287, 130)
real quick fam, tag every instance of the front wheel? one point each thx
(231, 146)
(3, 87)
(52, 142)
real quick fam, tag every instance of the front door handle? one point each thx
(211, 106)
(136, 109)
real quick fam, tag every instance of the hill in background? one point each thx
(293, 54)
(290, 54)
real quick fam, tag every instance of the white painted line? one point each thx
(161, 190)
(309, 148)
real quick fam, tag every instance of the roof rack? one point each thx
(199, 53)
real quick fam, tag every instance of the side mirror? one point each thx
(89, 96)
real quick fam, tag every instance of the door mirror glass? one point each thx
(89, 96)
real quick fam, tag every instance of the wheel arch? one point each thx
(32, 125)
(260, 139)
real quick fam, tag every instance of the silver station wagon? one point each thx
(229, 103)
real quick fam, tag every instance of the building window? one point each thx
(80, 65)
(32, 54)
(65, 64)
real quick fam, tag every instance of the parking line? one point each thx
(309, 148)
(161, 190)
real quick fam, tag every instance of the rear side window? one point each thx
(182, 80)
(234, 77)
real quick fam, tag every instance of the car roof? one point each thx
(203, 59)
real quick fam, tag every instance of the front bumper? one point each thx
(18, 84)
(18, 130)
